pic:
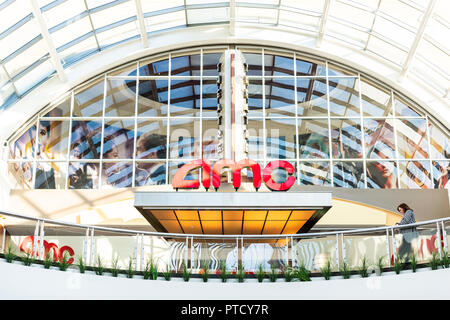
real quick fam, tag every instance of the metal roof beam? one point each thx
(323, 22)
(142, 28)
(419, 35)
(54, 57)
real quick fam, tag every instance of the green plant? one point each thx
(302, 273)
(288, 274)
(224, 274)
(345, 270)
(131, 270)
(380, 264)
(260, 273)
(147, 270)
(413, 262)
(63, 262)
(240, 273)
(435, 261)
(445, 259)
(205, 273)
(81, 264)
(326, 271)
(28, 259)
(186, 273)
(273, 274)
(153, 270)
(48, 260)
(115, 267)
(99, 267)
(10, 254)
(363, 268)
(398, 265)
(168, 273)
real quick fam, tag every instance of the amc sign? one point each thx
(180, 182)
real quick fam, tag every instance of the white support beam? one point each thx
(48, 40)
(232, 17)
(419, 35)
(142, 28)
(323, 22)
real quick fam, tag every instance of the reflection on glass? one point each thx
(209, 139)
(381, 174)
(23, 147)
(88, 101)
(53, 139)
(188, 65)
(414, 174)
(153, 98)
(313, 138)
(209, 98)
(175, 165)
(150, 173)
(151, 139)
(60, 110)
(21, 175)
(154, 68)
(344, 97)
(50, 175)
(346, 138)
(83, 175)
(441, 174)
(281, 142)
(117, 174)
(376, 101)
(315, 173)
(275, 65)
(308, 68)
(118, 142)
(280, 97)
(411, 137)
(185, 97)
(255, 98)
(86, 139)
(120, 98)
(254, 62)
(184, 139)
(312, 97)
(255, 131)
(403, 109)
(439, 143)
(379, 138)
(210, 61)
(348, 174)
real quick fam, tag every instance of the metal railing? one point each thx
(170, 251)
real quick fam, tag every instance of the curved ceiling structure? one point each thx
(57, 44)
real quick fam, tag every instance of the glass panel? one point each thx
(214, 253)
(255, 131)
(254, 62)
(83, 175)
(153, 98)
(150, 173)
(185, 97)
(154, 68)
(125, 71)
(120, 98)
(315, 173)
(315, 253)
(308, 68)
(184, 138)
(88, 102)
(379, 138)
(118, 140)
(60, 110)
(411, 137)
(267, 254)
(151, 139)
(116, 175)
(210, 61)
(441, 174)
(175, 165)
(187, 65)
(313, 138)
(381, 174)
(344, 97)
(415, 174)
(86, 139)
(348, 174)
(311, 97)
(255, 98)
(376, 101)
(20, 175)
(51, 175)
(161, 251)
(421, 240)
(53, 140)
(209, 98)
(275, 65)
(107, 249)
(23, 147)
(209, 139)
(279, 176)
(404, 109)
(281, 142)
(370, 247)
(346, 138)
(439, 143)
(280, 97)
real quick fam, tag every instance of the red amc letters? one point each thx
(58, 253)
(179, 180)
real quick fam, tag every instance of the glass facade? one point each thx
(136, 125)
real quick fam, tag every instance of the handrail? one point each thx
(210, 236)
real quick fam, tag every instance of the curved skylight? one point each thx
(42, 38)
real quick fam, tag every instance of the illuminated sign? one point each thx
(179, 180)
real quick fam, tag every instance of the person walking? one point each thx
(408, 234)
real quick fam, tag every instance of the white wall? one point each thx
(35, 282)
